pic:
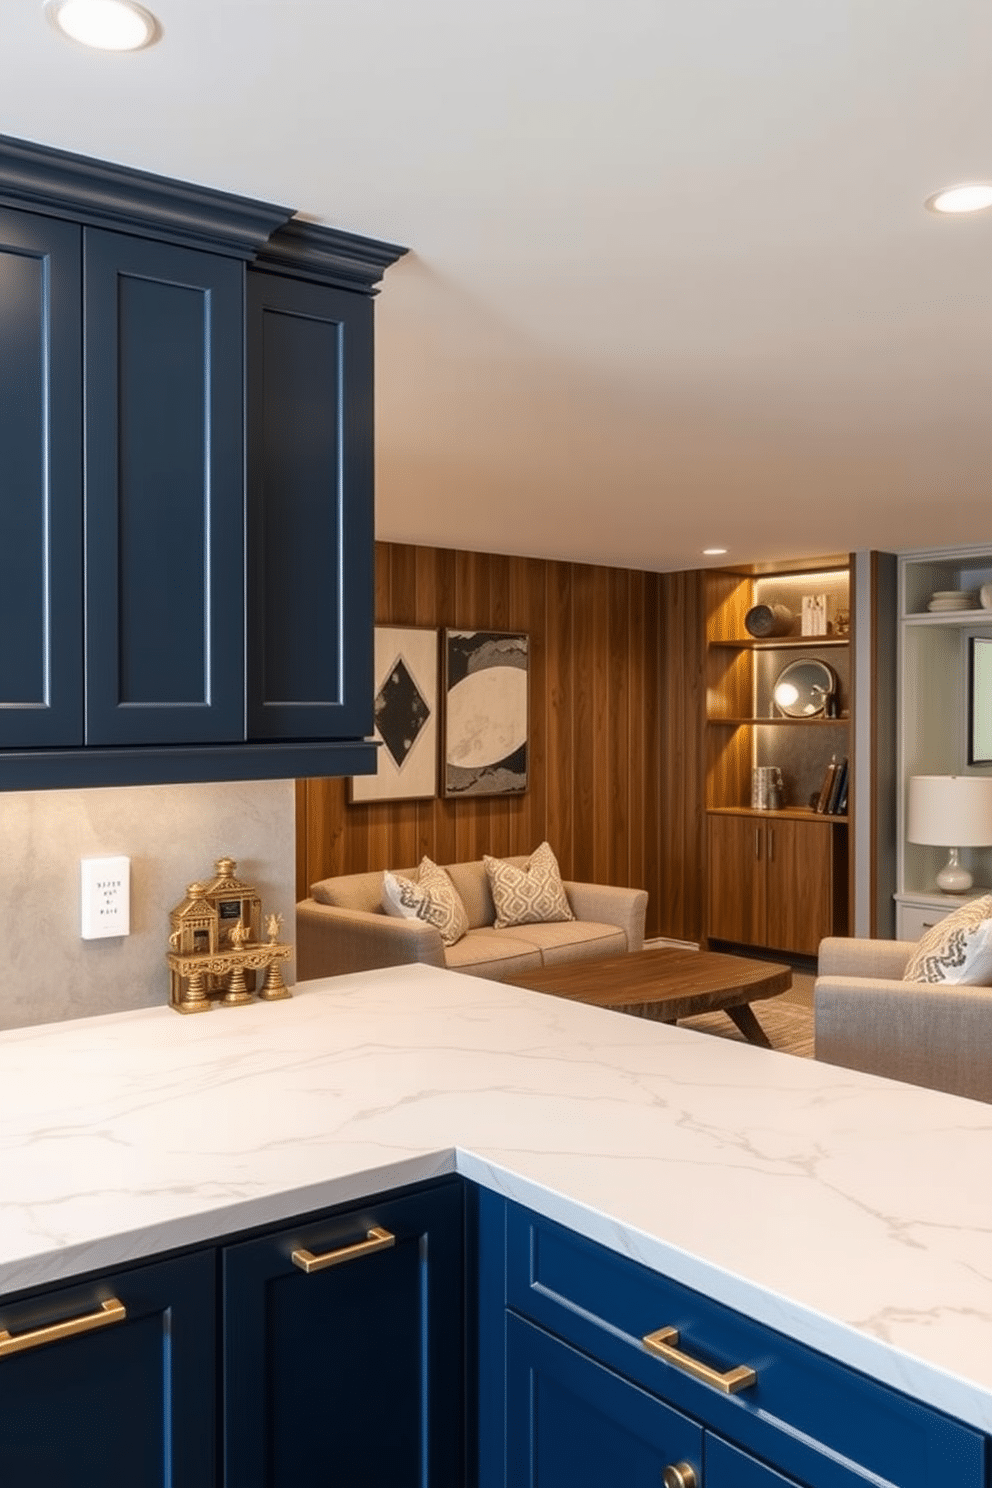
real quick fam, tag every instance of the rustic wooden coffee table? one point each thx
(667, 983)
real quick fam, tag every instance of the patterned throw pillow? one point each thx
(433, 899)
(529, 895)
(957, 949)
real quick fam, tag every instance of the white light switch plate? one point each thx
(105, 885)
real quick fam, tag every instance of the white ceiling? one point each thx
(671, 283)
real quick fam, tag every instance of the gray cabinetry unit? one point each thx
(933, 704)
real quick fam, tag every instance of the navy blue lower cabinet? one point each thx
(772, 1411)
(344, 1349)
(112, 1382)
(728, 1467)
(573, 1424)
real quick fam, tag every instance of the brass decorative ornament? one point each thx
(216, 949)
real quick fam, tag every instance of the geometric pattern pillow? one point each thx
(433, 899)
(530, 895)
(957, 949)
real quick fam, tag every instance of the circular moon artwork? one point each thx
(486, 714)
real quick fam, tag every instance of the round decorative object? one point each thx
(985, 595)
(768, 620)
(954, 877)
(805, 688)
(953, 599)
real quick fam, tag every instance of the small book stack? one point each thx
(832, 800)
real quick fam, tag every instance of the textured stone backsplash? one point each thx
(172, 834)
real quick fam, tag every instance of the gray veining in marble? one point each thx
(172, 834)
(849, 1212)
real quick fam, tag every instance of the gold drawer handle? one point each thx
(110, 1311)
(663, 1344)
(377, 1240)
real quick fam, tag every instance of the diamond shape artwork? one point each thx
(401, 711)
(405, 703)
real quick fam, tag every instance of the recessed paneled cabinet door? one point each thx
(41, 590)
(343, 1349)
(729, 1467)
(310, 510)
(164, 494)
(112, 1383)
(573, 1424)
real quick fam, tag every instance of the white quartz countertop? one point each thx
(854, 1214)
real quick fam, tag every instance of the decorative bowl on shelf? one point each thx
(953, 599)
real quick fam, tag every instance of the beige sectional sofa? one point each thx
(926, 1033)
(342, 927)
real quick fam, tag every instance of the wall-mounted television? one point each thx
(980, 701)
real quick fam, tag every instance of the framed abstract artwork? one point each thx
(405, 716)
(485, 712)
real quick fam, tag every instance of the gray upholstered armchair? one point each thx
(931, 1034)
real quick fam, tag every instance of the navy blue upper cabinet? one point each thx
(41, 692)
(164, 502)
(160, 623)
(310, 510)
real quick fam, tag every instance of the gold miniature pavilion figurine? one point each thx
(216, 949)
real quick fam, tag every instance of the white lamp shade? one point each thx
(950, 810)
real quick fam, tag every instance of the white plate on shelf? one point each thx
(985, 595)
(941, 605)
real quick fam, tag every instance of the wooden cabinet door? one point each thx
(573, 1424)
(164, 494)
(800, 875)
(41, 510)
(736, 898)
(126, 1404)
(352, 1373)
(310, 510)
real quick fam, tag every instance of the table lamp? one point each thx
(946, 810)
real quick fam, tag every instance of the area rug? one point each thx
(789, 1027)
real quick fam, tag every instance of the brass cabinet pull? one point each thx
(663, 1344)
(771, 844)
(757, 843)
(679, 1475)
(110, 1311)
(377, 1239)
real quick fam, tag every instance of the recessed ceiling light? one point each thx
(109, 25)
(973, 197)
(713, 552)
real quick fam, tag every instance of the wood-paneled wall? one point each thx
(616, 719)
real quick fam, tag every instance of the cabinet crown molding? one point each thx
(101, 194)
(328, 255)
